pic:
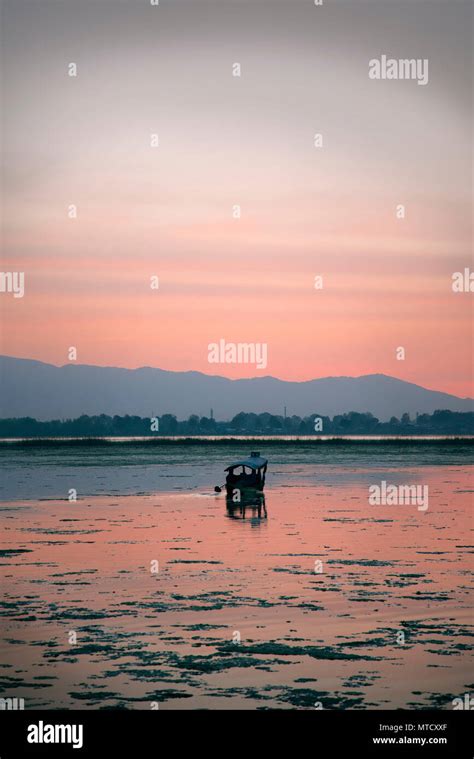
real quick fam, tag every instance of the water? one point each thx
(125, 467)
(386, 623)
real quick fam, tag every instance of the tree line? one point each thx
(353, 423)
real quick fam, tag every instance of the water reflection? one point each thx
(251, 505)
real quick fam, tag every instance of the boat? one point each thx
(247, 474)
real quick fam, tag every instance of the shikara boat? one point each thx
(247, 474)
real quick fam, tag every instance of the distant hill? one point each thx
(44, 391)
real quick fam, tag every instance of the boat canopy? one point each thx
(254, 462)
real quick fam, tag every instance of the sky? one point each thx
(247, 141)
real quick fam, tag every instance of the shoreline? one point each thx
(303, 440)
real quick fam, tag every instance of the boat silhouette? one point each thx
(245, 475)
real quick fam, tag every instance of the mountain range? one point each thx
(44, 391)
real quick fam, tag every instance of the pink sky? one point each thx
(247, 141)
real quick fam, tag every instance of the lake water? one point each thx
(151, 589)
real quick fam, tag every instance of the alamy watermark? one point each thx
(399, 495)
(46, 733)
(238, 353)
(402, 68)
(463, 281)
(13, 282)
(465, 702)
(12, 704)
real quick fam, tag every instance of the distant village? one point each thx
(353, 423)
